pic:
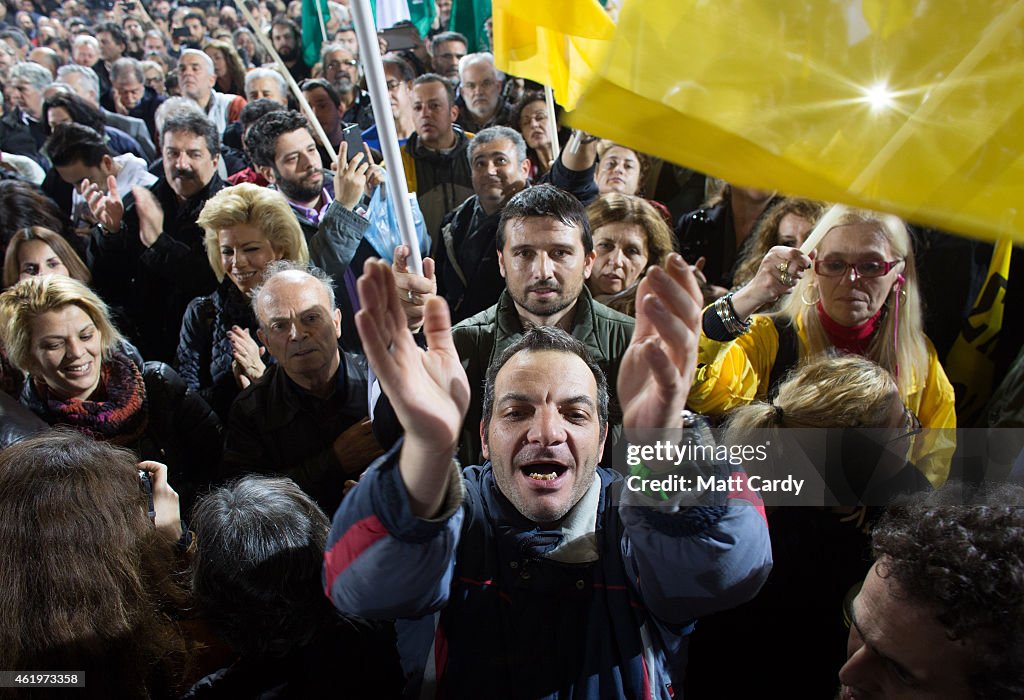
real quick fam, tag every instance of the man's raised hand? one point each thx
(657, 370)
(413, 289)
(427, 389)
(106, 208)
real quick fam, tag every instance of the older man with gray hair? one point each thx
(266, 83)
(22, 130)
(86, 85)
(481, 103)
(196, 77)
(293, 420)
(131, 95)
(341, 69)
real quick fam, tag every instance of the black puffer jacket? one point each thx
(181, 429)
(204, 350)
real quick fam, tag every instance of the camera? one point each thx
(146, 484)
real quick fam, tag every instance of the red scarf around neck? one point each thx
(852, 339)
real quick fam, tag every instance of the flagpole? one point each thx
(376, 85)
(320, 16)
(283, 69)
(549, 100)
(825, 224)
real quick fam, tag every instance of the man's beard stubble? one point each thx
(299, 191)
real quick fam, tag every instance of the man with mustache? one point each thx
(146, 253)
(537, 575)
(341, 69)
(545, 253)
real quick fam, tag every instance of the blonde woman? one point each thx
(857, 294)
(82, 374)
(818, 552)
(247, 227)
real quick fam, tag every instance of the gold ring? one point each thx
(786, 278)
(783, 267)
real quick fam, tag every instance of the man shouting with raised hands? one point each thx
(548, 578)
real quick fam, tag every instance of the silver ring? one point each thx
(408, 295)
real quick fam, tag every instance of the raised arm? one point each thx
(428, 388)
(657, 369)
(690, 557)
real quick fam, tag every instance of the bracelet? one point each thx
(727, 314)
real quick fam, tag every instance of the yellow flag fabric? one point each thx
(908, 106)
(554, 42)
(969, 364)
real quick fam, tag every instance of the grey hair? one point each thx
(145, 65)
(206, 59)
(174, 105)
(494, 133)
(277, 267)
(260, 73)
(85, 39)
(123, 67)
(32, 73)
(195, 123)
(88, 73)
(331, 48)
(480, 57)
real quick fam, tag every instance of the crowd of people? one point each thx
(246, 451)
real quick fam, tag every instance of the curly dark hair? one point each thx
(261, 141)
(967, 563)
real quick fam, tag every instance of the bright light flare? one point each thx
(879, 97)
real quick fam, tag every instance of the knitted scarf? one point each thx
(119, 417)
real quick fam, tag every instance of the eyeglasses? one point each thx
(839, 268)
(911, 425)
(393, 85)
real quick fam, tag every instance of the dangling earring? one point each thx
(803, 295)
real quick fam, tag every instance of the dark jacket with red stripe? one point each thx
(513, 623)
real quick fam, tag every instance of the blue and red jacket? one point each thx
(488, 614)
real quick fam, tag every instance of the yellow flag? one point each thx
(969, 364)
(554, 42)
(910, 107)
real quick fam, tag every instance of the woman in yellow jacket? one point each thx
(857, 294)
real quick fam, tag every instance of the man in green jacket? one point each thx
(545, 254)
